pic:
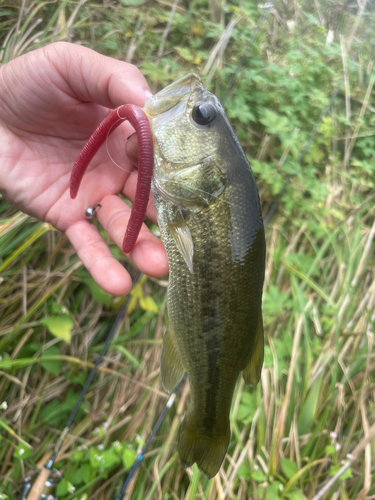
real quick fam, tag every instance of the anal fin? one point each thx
(171, 367)
(253, 369)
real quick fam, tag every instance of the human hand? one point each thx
(51, 100)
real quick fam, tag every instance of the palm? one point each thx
(46, 160)
(47, 117)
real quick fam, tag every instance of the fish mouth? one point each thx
(172, 95)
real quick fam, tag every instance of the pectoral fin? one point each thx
(182, 237)
(171, 367)
(253, 369)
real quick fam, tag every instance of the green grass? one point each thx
(315, 403)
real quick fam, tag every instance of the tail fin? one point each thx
(207, 452)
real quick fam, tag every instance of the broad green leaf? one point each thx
(330, 449)
(335, 468)
(88, 473)
(52, 366)
(289, 467)
(128, 457)
(273, 491)
(258, 475)
(98, 293)
(185, 53)
(109, 458)
(244, 471)
(22, 452)
(295, 495)
(247, 407)
(137, 297)
(148, 304)
(60, 326)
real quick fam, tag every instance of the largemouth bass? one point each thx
(211, 224)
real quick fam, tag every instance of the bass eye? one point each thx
(203, 113)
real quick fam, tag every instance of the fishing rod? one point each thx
(140, 456)
(41, 484)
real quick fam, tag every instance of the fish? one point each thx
(211, 225)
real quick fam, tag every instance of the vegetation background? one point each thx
(314, 408)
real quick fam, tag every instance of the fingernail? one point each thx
(148, 94)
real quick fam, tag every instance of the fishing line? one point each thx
(37, 487)
(106, 143)
(194, 189)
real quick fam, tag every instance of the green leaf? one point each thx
(22, 452)
(109, 458)
(97, 292)
(239, 108)
(335, 468)
(128, 355)
(258, 475)
(247, 407)
(88, 473)
(244, 471)
(137, 297)
(60, 326)
(330, 449)
(62, 487)
(52, 366)
(274, 123)
(273, 491)
(128, 457)
(308, 407)
(276, 302)
(78, 455)
(148, 304)
(295, 495)
(185, 53)
(289, 467)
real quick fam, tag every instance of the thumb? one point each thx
(97, 78)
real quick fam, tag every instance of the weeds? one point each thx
(314, 407)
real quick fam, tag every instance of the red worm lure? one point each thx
(139, 121)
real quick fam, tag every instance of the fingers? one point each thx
(97, 258)
(97, 78)
(129, 193)
(149, 253)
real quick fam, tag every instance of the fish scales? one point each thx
(211, 225)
